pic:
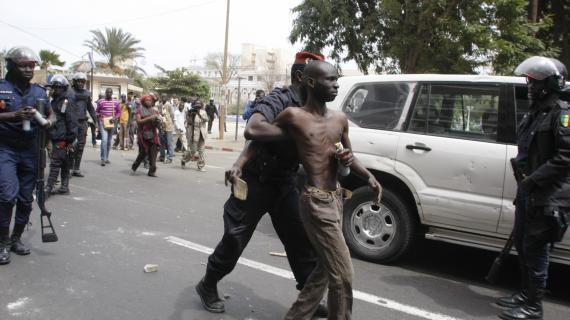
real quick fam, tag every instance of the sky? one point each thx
(175, 33)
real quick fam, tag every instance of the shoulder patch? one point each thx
(565, 118)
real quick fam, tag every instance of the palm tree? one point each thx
(115, 45)
(49, 58)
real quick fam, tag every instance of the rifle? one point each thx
(492, 274)
(48, 232)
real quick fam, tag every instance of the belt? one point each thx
(344, 193)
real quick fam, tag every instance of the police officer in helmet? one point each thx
(543, 194)
(83, 105)
(63, 134)
(18, 147)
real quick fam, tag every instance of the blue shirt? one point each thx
(11, 100)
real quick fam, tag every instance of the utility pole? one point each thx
(225, 73)
(238, 104)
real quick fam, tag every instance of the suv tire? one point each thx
(381, 235)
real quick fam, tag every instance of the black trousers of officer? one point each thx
(81, 140)
(281, 201)
(60, 161)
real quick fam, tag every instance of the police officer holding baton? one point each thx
(18, 147)
(543, 195)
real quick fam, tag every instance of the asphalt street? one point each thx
(113, 224)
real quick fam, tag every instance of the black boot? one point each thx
(77, 173)
(210, 298)
(64, 188)
(17, 246)
(515, 300)
(531, 310)
(4, 245)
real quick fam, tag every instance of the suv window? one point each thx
(522, 103)
(376, 105)
(456, 110)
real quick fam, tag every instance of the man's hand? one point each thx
(232, 174)
(345, 157)
(26, 113)
(527, 185)
(377, 188)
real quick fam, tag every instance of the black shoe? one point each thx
(529, 311)
(107, 162)
(515, 300)
(322, 311)
(102, 163)
(210, 299)
(77, 173)
(63, 190)
(4, 253)
(18, 247)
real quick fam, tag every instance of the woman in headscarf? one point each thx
(148, 120)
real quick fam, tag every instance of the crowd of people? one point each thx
(287, 127)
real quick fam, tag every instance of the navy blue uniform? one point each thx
(18, 154)
(270, 177)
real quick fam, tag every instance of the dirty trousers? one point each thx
(321, 213)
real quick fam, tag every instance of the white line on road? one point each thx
(363, 296)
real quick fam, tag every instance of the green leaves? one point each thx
(49, 58)
(443, 36)
(116, 45)
(180, 82)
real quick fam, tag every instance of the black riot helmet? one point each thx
(59, 80)
(543, 68)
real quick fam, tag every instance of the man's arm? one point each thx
(249, 149)
(258, 128)
(357, 167)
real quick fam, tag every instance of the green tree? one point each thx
(180, 82)
(116, 46)
(557, 36)
(444, 36)
(49, 58)
(515, 37)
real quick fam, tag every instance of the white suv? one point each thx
(440, 145)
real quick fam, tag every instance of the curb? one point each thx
(223, 149)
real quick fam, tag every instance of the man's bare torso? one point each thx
(315, 136)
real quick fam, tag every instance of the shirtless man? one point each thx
(315, 131)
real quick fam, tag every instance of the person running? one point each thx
(316, 130)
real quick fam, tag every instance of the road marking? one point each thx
(363, 296)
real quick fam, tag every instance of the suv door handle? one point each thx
(412, 147)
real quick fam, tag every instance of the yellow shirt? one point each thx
(124, 114)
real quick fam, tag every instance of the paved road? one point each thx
(113, 224)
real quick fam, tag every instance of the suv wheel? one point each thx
(380, 233)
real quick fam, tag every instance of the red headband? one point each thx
(146, 97)
(305, 56)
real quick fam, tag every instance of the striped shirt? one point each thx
(108, 108)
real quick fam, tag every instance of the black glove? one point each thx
(527, 185)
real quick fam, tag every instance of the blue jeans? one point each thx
(106, 137)
(166, 144)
